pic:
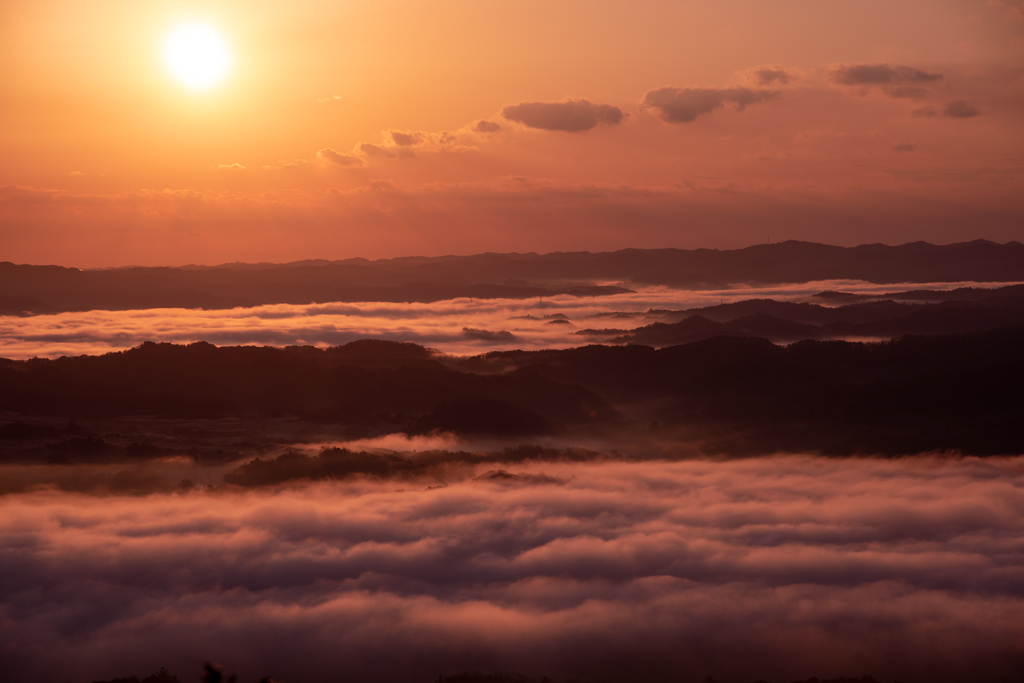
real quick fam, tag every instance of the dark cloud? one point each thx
(682, 105)
(406, 139)
(881, 74)
(328, 154)
(485, 126)
(571, 116)
(960, 109)
(926, 112)
(767, 75)
(904, 147)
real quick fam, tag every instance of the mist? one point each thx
(456, 326)
(601, 568)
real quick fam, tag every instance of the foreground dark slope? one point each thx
(28, 289)
(730, 395)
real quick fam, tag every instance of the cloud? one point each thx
(485, 126)
(960, 109)
(406, 138)
(682, 105)
(771, 568)
(328, 154)
(293, 164)
(232, 167)
(769, 75)
(396, 144)
(571, 116)
(904, 147)
(881, 74)
(387, 152)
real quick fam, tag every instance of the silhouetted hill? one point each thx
(798, 312)
(341, 463)
(731, 394)
(360, 384)
(26, 289)
(749, 395)
(785, 322)
(980, 261)
(482, 416)
(958, 294)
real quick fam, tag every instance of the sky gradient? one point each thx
(383, 129)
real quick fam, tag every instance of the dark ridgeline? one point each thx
(733, 395)
(341, 463)
(898, 314)
(746, 395)
(359, 383)
(28, 289)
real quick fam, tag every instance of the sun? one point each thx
(197, 56)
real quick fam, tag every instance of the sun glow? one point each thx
(197, 56)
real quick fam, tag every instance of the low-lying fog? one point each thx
(456, 326)
(579, 565)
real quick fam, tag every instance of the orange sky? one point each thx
(694, 124)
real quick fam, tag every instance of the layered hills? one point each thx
(732, 395)
(28, 289)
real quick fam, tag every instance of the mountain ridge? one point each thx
(29, 289)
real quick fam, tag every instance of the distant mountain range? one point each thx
(30, 289)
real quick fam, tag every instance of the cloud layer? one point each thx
(780, 568)
(458, 326)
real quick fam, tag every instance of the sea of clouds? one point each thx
(779, 568)
(455, 326)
